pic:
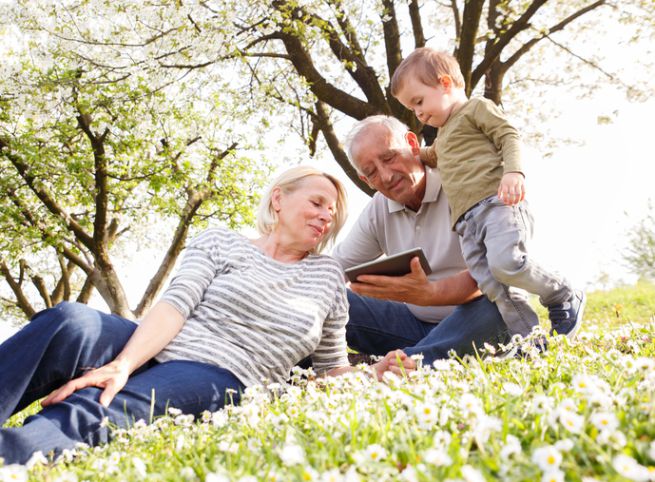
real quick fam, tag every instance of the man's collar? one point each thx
(432, 190)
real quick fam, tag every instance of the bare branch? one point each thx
(62, 290)
(496, 46)
(586, 61)
(457, 19)
(193, 22)
(194, 201)
(555, 28)
(391, 36)
(84, 41)
(269, 55)
(335, 97)
(21, 300)
(322, 117)
(87, 290)
(467, 40)
(417, 26)
(38, 282)
(101, 184)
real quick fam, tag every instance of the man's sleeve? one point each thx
(362, 243)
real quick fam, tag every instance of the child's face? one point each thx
(431, 104)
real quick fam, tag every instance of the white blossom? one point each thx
(292, 454)
(629, 468)
(554, 475)
(437, 457)
(14, 473)
(547, 458)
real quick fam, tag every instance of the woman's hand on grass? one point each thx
(396, 362)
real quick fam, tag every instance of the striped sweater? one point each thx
(253, 315)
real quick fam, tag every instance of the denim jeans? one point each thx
(379, 326)
(494, 239)
(63, 342)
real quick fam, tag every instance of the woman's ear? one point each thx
(276, 195)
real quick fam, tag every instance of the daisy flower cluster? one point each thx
(580, 411)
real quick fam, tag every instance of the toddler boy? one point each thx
(478, 155)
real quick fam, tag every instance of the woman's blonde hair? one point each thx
(288, 182)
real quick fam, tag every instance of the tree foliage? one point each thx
(640, 254)
(120, 117)
(94, 147)
(339, 56)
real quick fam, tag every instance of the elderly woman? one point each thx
(238, 312)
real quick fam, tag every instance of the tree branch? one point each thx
(555, 28)
(457, 19)
(496, 45)
(351, 58)
(21, 300)
(62, 289)
(211, 171)
(44, 196)
(194, 201)
(417, 26)
(586, 61)
(38, 282)
(467, 40)
(322, 118)
(101, 185)
(391, 36)
(87, 290)
(322, 89)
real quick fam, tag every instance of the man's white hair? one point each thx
(393, 125)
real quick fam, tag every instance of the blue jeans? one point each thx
(63, 342)
(379, 326)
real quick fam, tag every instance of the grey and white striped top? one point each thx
(253, 315)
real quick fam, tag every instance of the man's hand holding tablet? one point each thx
(395, 265)
(412, 287)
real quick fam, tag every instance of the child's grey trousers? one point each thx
(494, 237)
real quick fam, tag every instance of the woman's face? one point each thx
(305, 214)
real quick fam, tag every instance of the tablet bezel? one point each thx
(395, 265)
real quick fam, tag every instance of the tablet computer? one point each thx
(395, 265)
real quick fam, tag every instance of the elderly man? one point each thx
(416, 313)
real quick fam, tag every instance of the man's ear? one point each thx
(413, 142)
(365, 179)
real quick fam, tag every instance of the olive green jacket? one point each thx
(473, 150)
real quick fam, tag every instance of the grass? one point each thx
(582, 411)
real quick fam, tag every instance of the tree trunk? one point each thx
(493, 83)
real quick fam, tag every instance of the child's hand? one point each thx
(512, 188)
(428, 156)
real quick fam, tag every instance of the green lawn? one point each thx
(584, 410)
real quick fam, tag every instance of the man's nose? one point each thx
(386, 174)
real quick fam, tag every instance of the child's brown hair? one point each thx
(428, 65)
